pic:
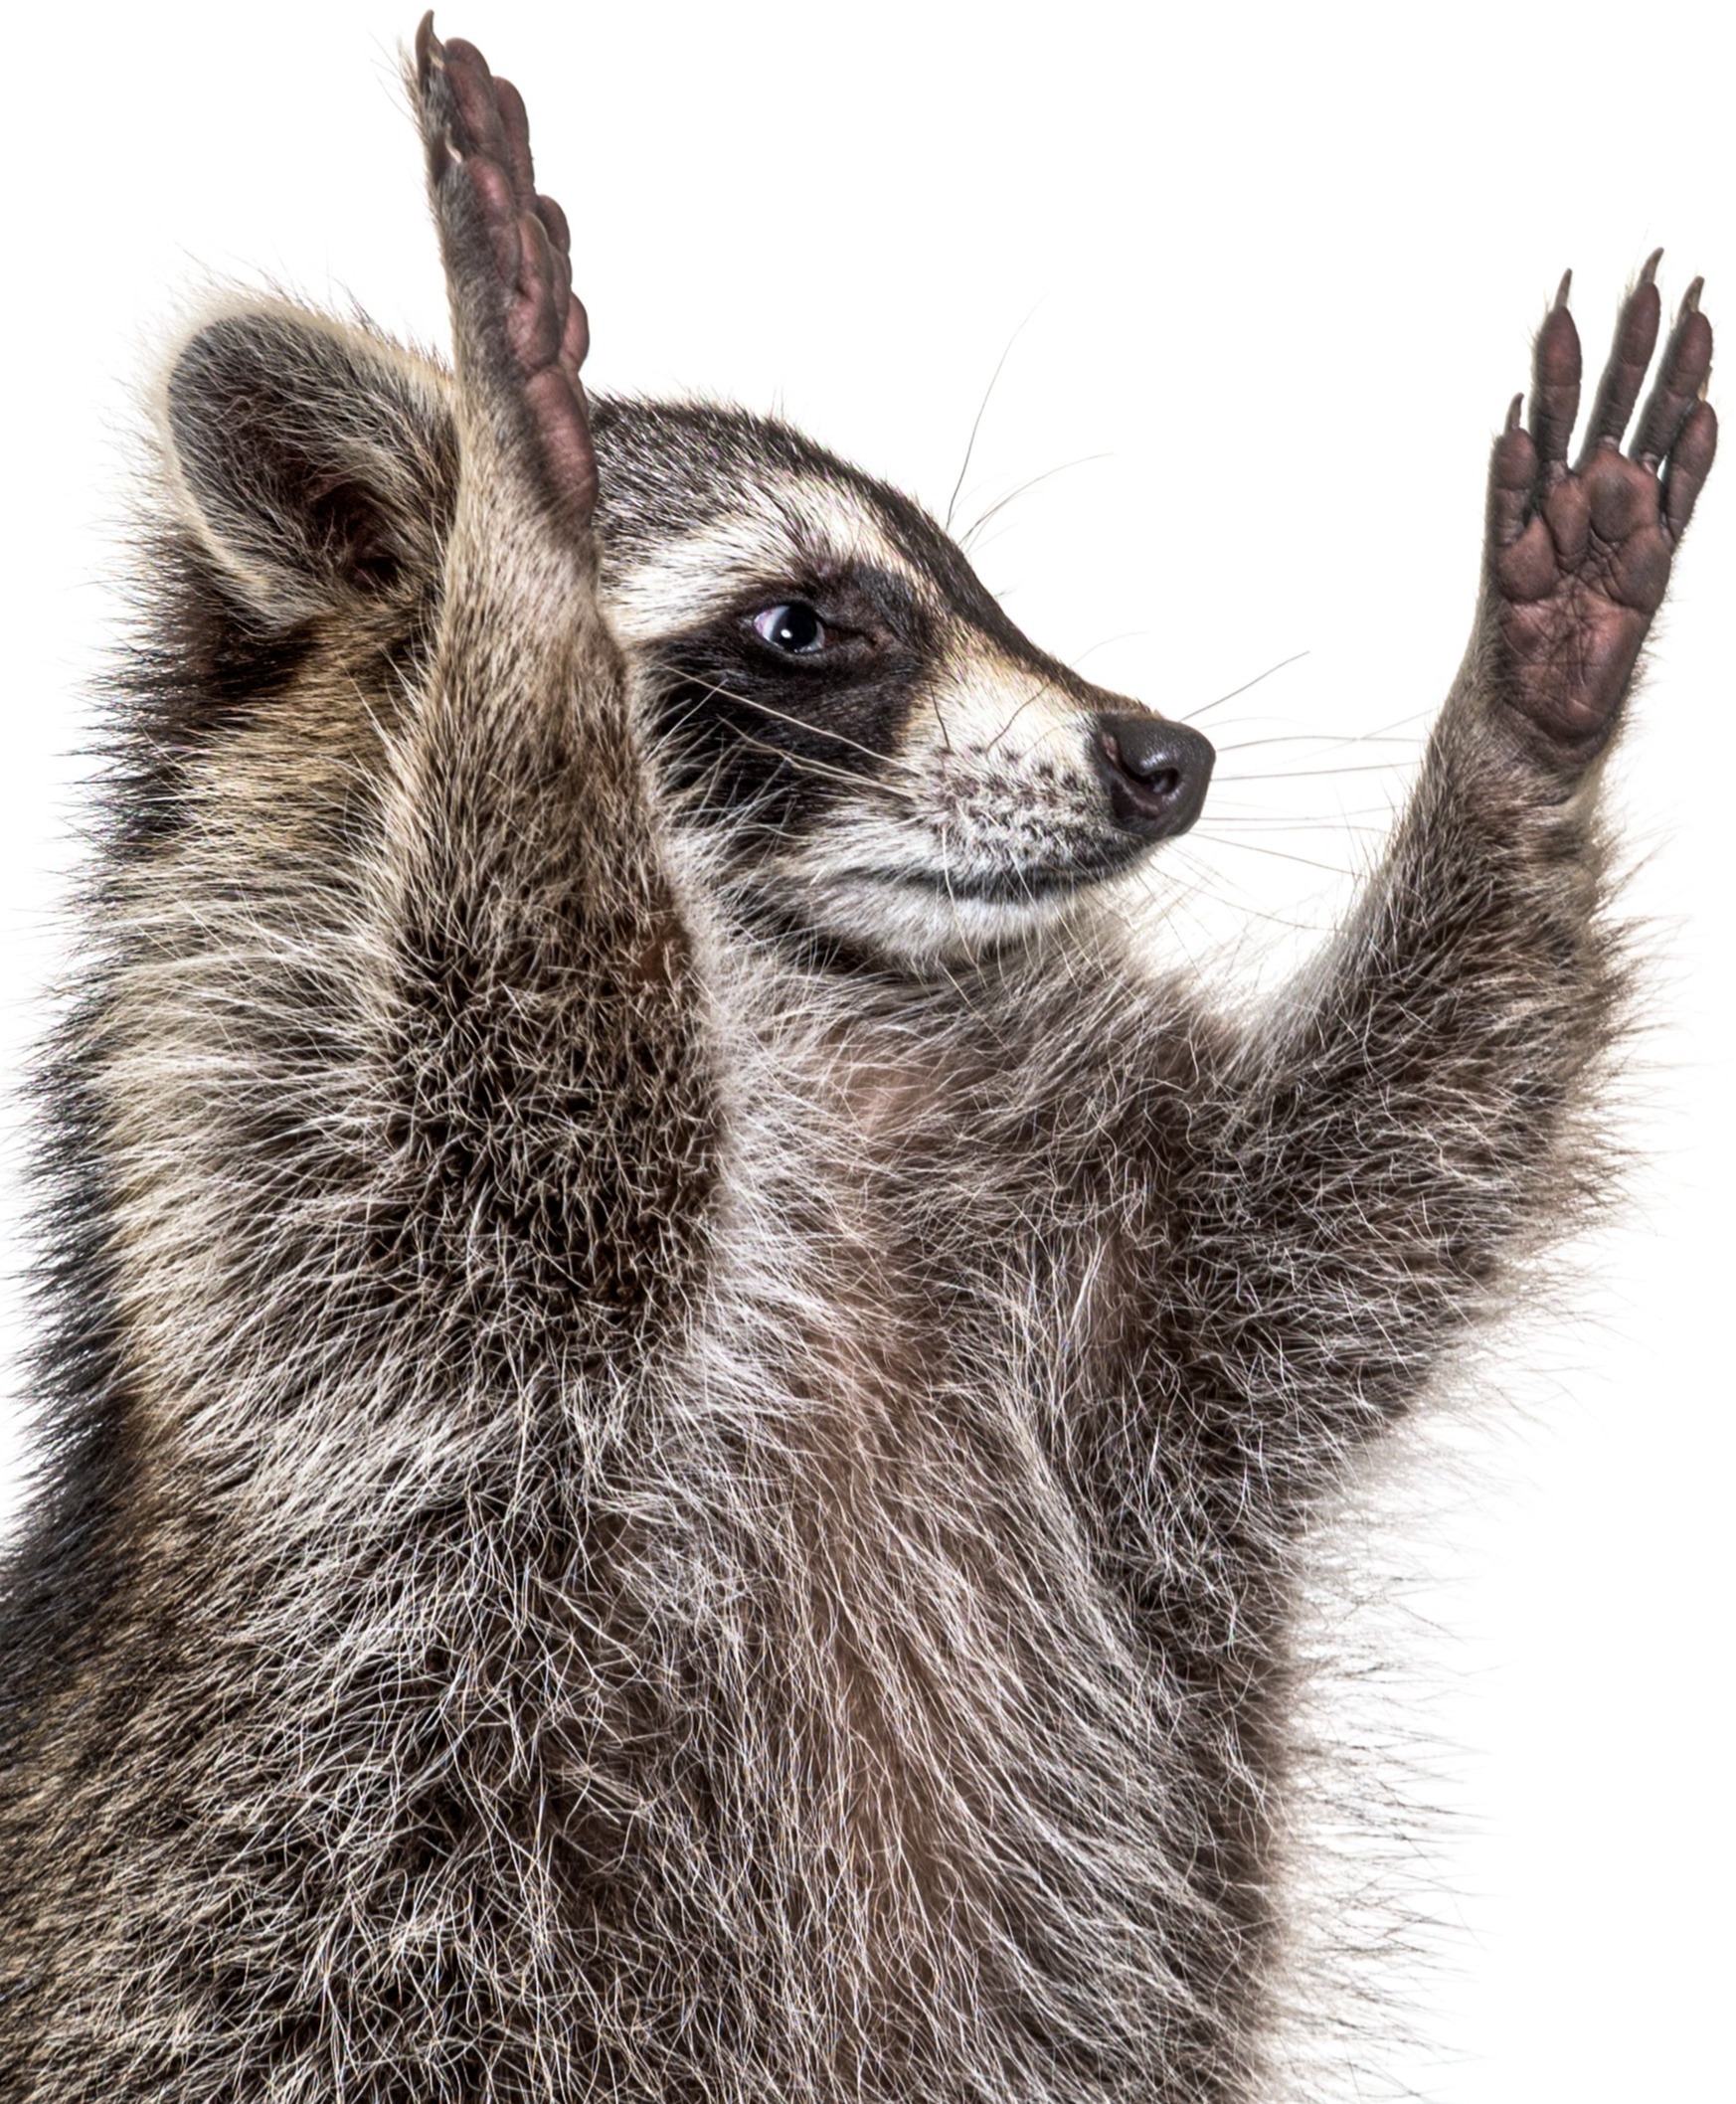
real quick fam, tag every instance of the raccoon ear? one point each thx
(314, 459)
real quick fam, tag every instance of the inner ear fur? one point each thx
(315, 459)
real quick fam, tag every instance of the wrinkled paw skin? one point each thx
(508, 262)
(1578, 557)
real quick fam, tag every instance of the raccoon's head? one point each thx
(865, 745)
(881, 756)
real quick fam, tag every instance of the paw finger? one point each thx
(1629, 355)
(561, 301)
(1555, 376)
(576, 330)
(560, 276)
(534, 320)
(1691, 461)
(477, 126)
(575, 337)
(1512, 481)
(1687, 360)
(515, 141)
(555, 220)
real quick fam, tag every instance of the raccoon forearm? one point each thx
(546, 1042)
(1408, 1123)
(401, 1017)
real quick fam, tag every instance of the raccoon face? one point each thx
(847, 723)
(836, 701)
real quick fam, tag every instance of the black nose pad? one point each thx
(1156, 772)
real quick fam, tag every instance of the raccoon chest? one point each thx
(947, 1664)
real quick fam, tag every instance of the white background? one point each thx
(1262, 286)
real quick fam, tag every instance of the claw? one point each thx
(1561, 290)
(1648, 269)
(431, 53)
(1514, 409)
(1690, 299)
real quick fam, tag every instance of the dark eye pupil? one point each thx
(796, 628)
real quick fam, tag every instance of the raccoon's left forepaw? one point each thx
(520, 329)
(1578, 558)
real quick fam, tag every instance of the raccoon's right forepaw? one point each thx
(519, 330)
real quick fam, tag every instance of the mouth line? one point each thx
(1011, 887)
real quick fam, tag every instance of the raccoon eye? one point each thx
(796, 629)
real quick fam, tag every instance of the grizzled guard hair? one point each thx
(684, 1393)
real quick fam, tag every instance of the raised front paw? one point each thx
(1578, 558)
(520, 334)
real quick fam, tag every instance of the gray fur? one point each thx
(676, 1481)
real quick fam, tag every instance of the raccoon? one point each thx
(687, 1392)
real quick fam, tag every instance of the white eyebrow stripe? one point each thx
(799, 523)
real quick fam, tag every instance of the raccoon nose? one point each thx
(1156, 773)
